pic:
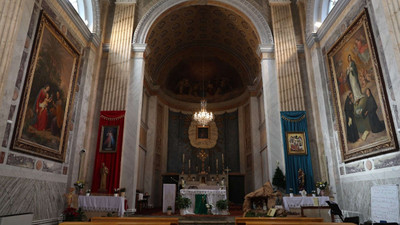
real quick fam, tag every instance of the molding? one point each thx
(246, 8)
(77, 20)
(279, 2)
(125, 2)
(139, 47)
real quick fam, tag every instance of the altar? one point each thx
(299, 201)
(212, 197)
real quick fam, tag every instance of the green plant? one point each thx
(182, 202)
(321, 185)
(222, 204)
(72, 214)
(279, 179)
(169, 207)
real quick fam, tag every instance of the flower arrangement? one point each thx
(222, 204)
(116, 190)
(79, 184)
(321, 185)
(183, 202)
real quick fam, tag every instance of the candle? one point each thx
(183, 158)
(216, 168)
(189, 163)
(222, 158)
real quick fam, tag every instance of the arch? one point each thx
(248, 10)
(89, 11)
(317, 11)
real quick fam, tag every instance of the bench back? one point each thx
(116, 223)
(171, 220)
(294, 223)
(244, 220)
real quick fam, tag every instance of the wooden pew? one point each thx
(115, 223)
(171, 220)
(295, 223)
(244, 220)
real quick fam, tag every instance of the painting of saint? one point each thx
(295, 142)
(109, 135)
(359, 95)
(42, 119)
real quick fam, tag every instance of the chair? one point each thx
(335, 210)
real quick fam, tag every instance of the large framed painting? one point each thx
(43, 118)
(296, 143)
(363, 117)
(109, 136)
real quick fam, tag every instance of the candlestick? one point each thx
(216, 167)
(222, 158)
(183, 158)
(189, 164)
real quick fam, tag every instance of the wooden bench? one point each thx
(116, 223)
(294, 223)
(171, 220)
(244, 220)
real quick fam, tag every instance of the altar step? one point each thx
(201, 220)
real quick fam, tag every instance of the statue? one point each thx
(103, 177)
(301, 179)
(69, 197)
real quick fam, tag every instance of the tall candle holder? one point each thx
(202, 155)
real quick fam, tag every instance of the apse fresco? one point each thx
(194, 79)
(358, 91)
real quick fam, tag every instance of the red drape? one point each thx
(112, 160)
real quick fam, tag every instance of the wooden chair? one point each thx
(170, 220)
(245, 220)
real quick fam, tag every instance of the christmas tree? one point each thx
(279, 179)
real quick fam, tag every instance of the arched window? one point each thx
(321, 10)
(85, 10)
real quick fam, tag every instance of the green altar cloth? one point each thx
(200, 204)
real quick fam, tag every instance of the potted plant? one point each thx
(88, 192)
(182, 203)
(79, 185)
(321, 186)
(169, 210)
(122, 192)
(222, 205)
(72, 214)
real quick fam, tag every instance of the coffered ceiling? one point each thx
(200, 51)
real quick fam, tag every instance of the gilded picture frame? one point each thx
(296, 143)
(203, 132)
(109, 138)
(43, 120)
(360, 101)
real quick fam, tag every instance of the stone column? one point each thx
(10, 12)
(117, 73)
(288, 70)
(130, 143)
(271, 106)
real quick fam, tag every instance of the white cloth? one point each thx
(102, 203)
(212, 197)
(297, 202)
(169, 194)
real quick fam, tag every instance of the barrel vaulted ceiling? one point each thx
(200, 51)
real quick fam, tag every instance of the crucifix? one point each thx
(202, 155)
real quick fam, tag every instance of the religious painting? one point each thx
(109, 135)
(296, 143)
(360, 101)
(202, 132)
(44, 114)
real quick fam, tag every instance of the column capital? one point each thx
(279, 2)
(266, 51)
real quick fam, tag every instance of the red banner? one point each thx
(108, 150)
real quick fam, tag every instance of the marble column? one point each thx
(130, 143)
(117, 72)
(288, 70)
(10, 12)
(271, 110)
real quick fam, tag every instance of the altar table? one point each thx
(212, 197)
(102, 203)
(297, 202)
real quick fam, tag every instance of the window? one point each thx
(85, 11)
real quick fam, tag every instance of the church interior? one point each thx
(219, 109)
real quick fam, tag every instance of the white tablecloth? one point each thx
(212, 197)
(297, 202)
(102, 203)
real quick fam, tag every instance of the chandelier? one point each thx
(203, 117)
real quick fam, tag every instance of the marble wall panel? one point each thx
(45, 199)
(20, 161)
(6, 135)
(2, 155)
(52, 167)
(355, 167)
(387, 161)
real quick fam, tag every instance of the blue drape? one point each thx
(296, 121)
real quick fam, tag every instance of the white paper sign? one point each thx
(385, 203)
